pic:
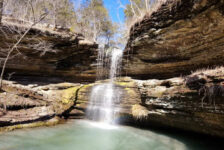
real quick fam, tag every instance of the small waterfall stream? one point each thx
(104, 96)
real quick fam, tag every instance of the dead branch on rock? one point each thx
(211, 93)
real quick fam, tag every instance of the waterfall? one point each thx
(104, 96)
(100, 62)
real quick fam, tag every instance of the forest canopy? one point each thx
(89, 17)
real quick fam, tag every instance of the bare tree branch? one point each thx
(1, 10)
(14, 47)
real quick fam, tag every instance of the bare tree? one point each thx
(1, 10)
(14, 47)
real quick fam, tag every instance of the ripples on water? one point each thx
(85, 135)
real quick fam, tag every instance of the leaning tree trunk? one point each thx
(1, 10)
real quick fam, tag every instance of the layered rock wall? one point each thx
(35, 105)
(47, 51)
(194, 103)
(178, 38)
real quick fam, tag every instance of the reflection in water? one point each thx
(84, 135)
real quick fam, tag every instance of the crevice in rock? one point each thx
(66, 113)
(19, 107)
(44, 118)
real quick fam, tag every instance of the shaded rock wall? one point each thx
(178, 38)
(47, 51)
(38, 68)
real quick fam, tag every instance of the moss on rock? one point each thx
(51, 122)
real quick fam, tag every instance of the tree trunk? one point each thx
(1, 10)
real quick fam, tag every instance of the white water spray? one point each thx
(104, 96)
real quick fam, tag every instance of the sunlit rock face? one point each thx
(47, 51)
(178, 38)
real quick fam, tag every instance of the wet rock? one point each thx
(168, 103)
(125, 86)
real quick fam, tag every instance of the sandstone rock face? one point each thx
(194, 103)
(35, 105)
(179, 107)
(180, 102)
(177, 102)
(178, 38)
(47, 51)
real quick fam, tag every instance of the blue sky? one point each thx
(115, 9)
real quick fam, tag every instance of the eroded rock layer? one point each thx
(47, 51)
(178, 38)
(194, 103)
(31, 105)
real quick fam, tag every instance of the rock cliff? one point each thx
(178, 38)
(47, 51)
(37, 94)
(194, 103)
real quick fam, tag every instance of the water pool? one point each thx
(85, 135)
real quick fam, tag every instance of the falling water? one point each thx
(100, 62)
(104, 96)
(115, 63)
